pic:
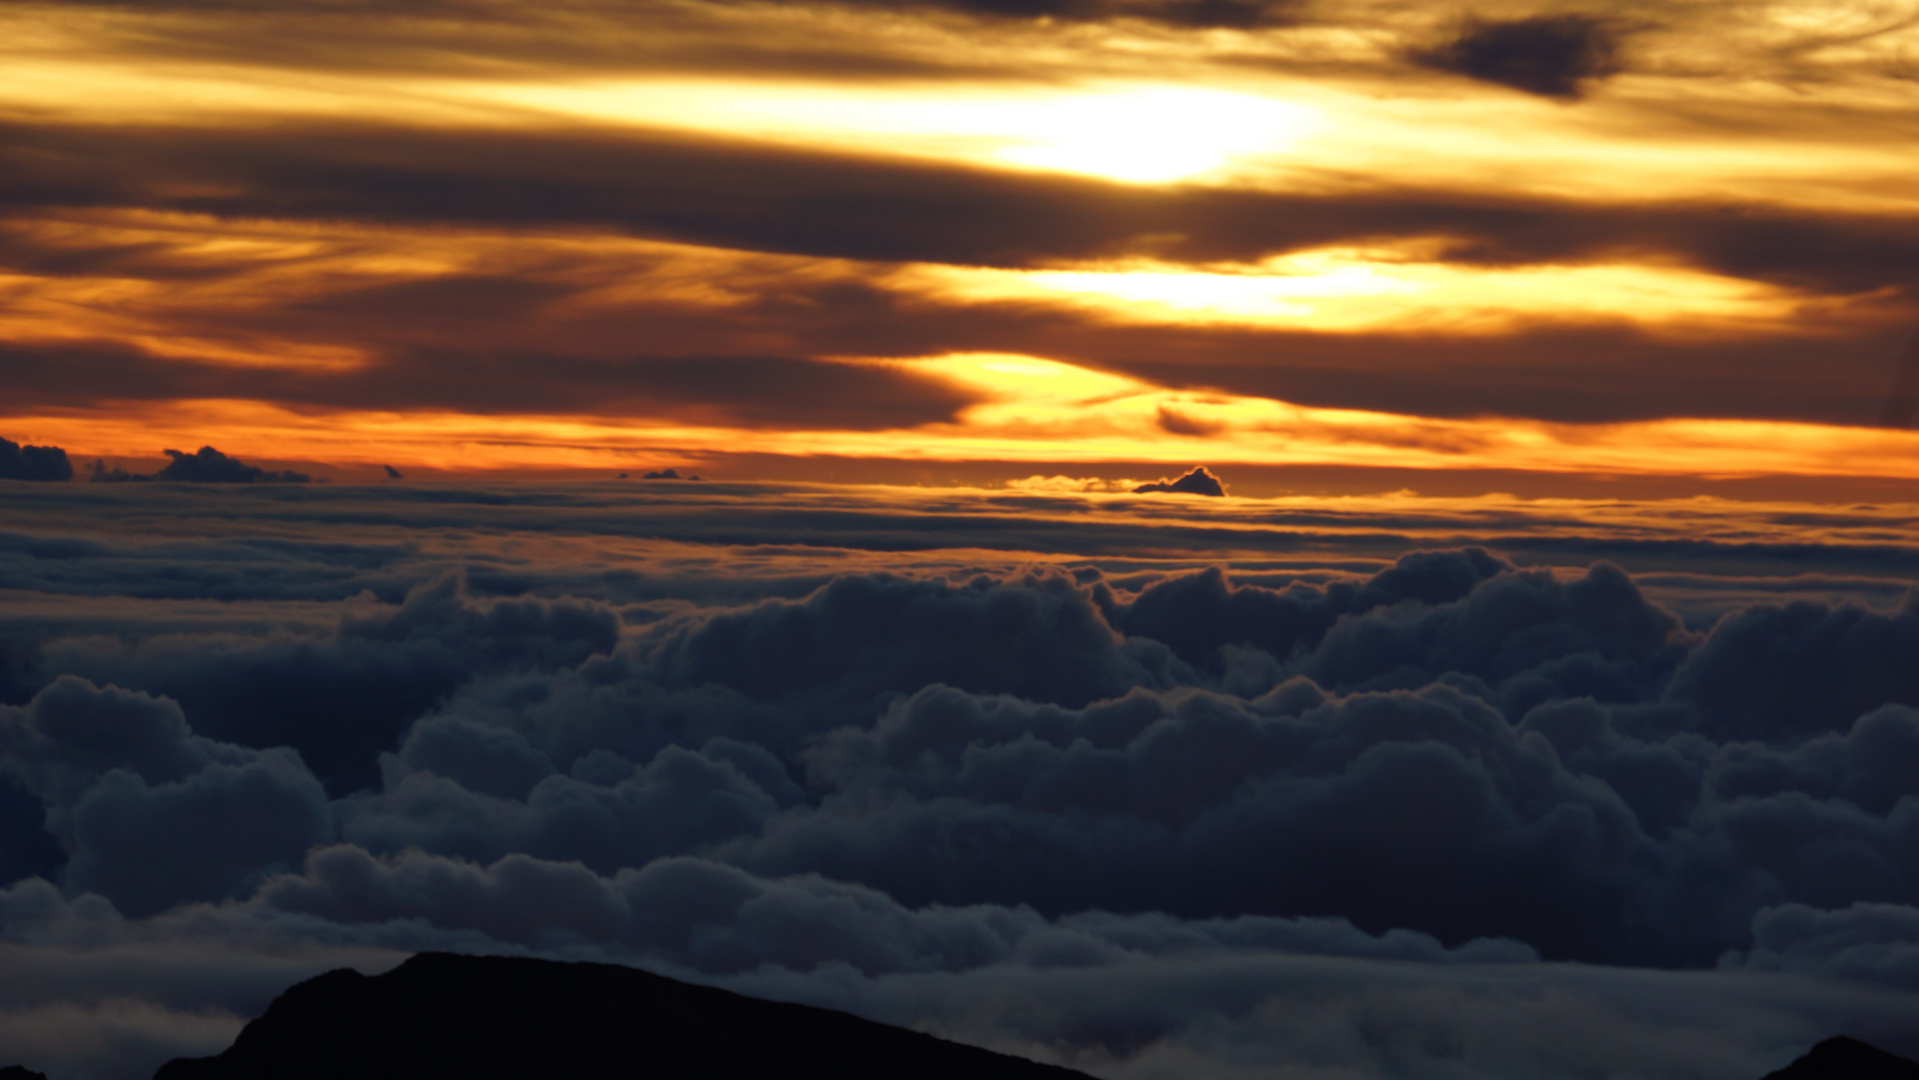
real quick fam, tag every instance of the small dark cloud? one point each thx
(1548, 55)
(1197, 482)
(19, 462)
(1180, 424)
(210, 466)
(206, 466)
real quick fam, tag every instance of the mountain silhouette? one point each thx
(439, 1015)
(1841, 1058)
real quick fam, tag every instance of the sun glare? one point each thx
(1358, 290)
(1136, 134)
(1151, 135)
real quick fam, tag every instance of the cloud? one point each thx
(740, 389)
(718, 919)
(1548, 55)
(1902, 401)
(729, 194)
(1126, 996)
(767, 733)
(19, 462)
(1197, 482)
(1782, 671)
(343, 696)
(206, 466)
(151, 814)
(210, 466)
(1870, 942)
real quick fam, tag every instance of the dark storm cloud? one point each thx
(738, 196)
(1549, 55)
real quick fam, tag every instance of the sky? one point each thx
(1539, 700)
(1659, 245)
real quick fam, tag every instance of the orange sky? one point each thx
(1672, 239)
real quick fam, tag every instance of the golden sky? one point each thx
(1636, 238)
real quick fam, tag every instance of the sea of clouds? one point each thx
(1149, 788)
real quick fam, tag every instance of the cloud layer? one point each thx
(923, 789)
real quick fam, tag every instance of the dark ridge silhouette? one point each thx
(1842, 1058)
(662, 474)
(33, 463)
(439, 1015)
(20, 1072)
(393, 473)
(1197, 482)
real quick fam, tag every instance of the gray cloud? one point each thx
(737, 195)
(713, 749)
(1871, 942)
(1550, 55)
(19, 462)
(151, 814)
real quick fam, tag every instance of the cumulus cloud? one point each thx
(1784, 671)
(151, 814)
(205, 466)
(343, 696)
(19, 462)
(1196, 482)
(828, 780)
(1872, 942)
(1453, 745)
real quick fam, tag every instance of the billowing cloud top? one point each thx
(1037, 771)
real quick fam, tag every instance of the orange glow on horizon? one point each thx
(1035, 410)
